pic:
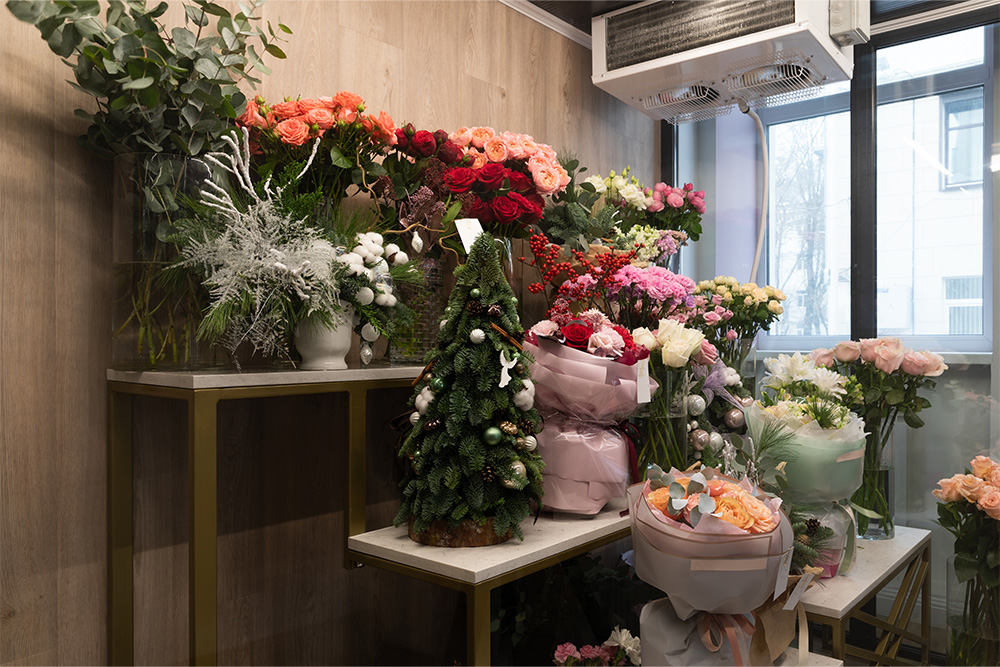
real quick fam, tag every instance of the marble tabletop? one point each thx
(551, 535)
(227, 378)
(874, 563)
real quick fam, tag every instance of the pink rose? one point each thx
(822, 356)
(496, 149)
(867, 346)
(660, 187)
(462, 136)
(707, 355)
(971, 487)
(697, 202)
(981, 465)
(480, 135)
(545, 328)
(731, 335)
(989, 502)
(713, 317)
(889, 353)
(655, 207)
(675, 200)
(935, 364)
(564, 652)
(688, 187)
(949, 489)
(285, 110)
(913, 362)
(847, 351)
(546, 180)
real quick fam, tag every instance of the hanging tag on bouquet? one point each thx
(797, 592)
(642, 382)
(783, 569)
(469, 230)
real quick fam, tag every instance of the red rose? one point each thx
(529, 211)
(402, 141)
(423, 144)
(493, 174)
(450, 153)
(440, 136)
(480, 210)
(519, 182)
(459, 179)
(536, 199)
(506, 209)
(577, 334)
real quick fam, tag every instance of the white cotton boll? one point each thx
(382, 299)
(375, 237)
(391, 249)
(360, 250)
(400, 258)
(358, 270)
(377, 250)
(368, 332)
(364, 296)
(367, 273)
(416, 243)
(390, 300)
(525, 399)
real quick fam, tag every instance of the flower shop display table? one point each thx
(477, 571)
(202, 391)
(835, 601)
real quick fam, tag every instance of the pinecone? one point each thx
(803, 538)
(527, 425)
(488, 474)
(474, 307)
(812, 525)
(494, 309)
(432, 425)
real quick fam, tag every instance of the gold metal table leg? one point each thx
(119, 528)
(355, 483)
(203, 517)
(477, 613)
(925, 607)
(839, 640)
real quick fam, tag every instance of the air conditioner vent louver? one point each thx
(777, 79)
(687, 103)
(675, 26)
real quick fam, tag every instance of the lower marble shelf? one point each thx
(791, 657)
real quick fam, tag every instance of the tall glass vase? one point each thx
(873, 501)
(973, 618)
(428, 301)
(664, 428)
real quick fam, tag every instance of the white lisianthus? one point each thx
(600, 185)
(618, 183)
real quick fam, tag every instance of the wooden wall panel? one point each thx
(436, 64)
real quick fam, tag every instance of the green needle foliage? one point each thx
(453, 472)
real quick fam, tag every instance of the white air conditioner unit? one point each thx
(686, 60)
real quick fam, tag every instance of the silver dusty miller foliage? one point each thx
(264, 270)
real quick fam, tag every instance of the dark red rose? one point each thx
(402, 141)
(480, 210)
(409, 130)
(519, 182)
(529, 212)
(449, 152)
(459, 179)
(577, 334)
(422, 143)
(493, 174)
(536, 199)
(505, 208)
(440, 136)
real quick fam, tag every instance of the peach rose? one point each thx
(660, 499)
(867, 346)
(949, 489)
(539, 161)
(763, 518)
(293, 131)
(349, 100)
(546, 151)
(822, 356)
(320, 117)
(251, 116)
(480, 135)
(935, 364)
(989, 502)
(913, 362)
(528, 146)
(384, 128)
(305, 106)
(462, 137)
(992, 477)
(478, 158)
(564, 178)
(286, 110)
(981, 465)
(889, 354)
(732, 511)
(847, 351)
(546, 180)
(496, 149)
(970, 487)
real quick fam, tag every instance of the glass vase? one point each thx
(156, 309)
(973, 619)
(428, 301)
(873, 501)
(664, 427)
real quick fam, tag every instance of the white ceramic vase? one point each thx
(323, 348)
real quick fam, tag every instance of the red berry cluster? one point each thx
(547, 260)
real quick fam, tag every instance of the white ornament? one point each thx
(414, 418)
(366, 353)
(364, 296)
(525, 399)
(477, 336)
(530, 443)
(715, 441)
(416, 242)
(695, 405)
(369, 333)
(443, 324)
(505, 367)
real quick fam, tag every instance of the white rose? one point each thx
(643, 336)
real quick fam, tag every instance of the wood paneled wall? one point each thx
(283, 593)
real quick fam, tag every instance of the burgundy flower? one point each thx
(449, 152)
(492, 175)
(506, 209)
(577, 334)
(423, 144)
(402, 141)
(460, 179)
(519, 182)
(529, 212)
(479, 209)
(440, 136)
(626, 336)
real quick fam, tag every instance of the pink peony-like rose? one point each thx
(935, 364)
(655, 207)
(822, 356)
(545, 328)
(462, 136)
(981, 465)
(707, 355)
(293, 132)
(847, 351)
(989, 502)
(546, 180)
(606, 343)
(889, 353)
(971, 487)
(949, 489)
(480, 135)
(478, 160)
(496, 149)
(564, 652)
(867, 346)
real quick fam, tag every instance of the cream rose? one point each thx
(989, 502)
(949, 489)
(645, 337)
(971, 487)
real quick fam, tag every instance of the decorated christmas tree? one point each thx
(472, 468)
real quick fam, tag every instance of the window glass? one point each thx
(936, 55)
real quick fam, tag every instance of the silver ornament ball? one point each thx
(530, 443)
(517, 469)
(715, 441)
(747, 401)
(695, 405)
(414, 418)
(699, 439)
(735, 419)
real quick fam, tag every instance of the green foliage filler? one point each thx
(452, 471)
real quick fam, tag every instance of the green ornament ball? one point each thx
(475, 293)
(492, 435)
(513, 300)
(437, 385)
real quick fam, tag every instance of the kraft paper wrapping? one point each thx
(823, 466)
(668, 639)
(586, 465)
(580, 385)
(709, 568)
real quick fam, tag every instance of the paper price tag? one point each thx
(797, 592)
(469, 230)
(642, 382)
(783, 569)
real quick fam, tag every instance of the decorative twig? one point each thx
(424, 372)
(499, 330)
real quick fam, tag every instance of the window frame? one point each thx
(947, 100)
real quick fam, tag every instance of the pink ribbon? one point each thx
(725, 626)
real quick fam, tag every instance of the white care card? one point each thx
(781, 583)
(643, 394)
(797, 592)
(469, 230)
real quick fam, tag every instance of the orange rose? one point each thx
(981, 465)
(285, 110)
(478, 159)
(949, 490)
(307, 105)
(989, 502)
(496, 149)
(349, 100)
(971, 487)
(660, 499)
(293, 131)
(320, 117)
(385, 128)
(251, 116)
(480, 135)
(732, 511)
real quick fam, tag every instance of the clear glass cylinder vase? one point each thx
(428, 302)
(873, 501)
(973, 617)
(663, 425)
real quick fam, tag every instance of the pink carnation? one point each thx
(606, 343)
(564, 652)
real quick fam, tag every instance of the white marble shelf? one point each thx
(551, 535)
(791, 657)
(875, 561)
(224, 378)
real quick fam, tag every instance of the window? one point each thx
(962, 116)
(964, 300)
